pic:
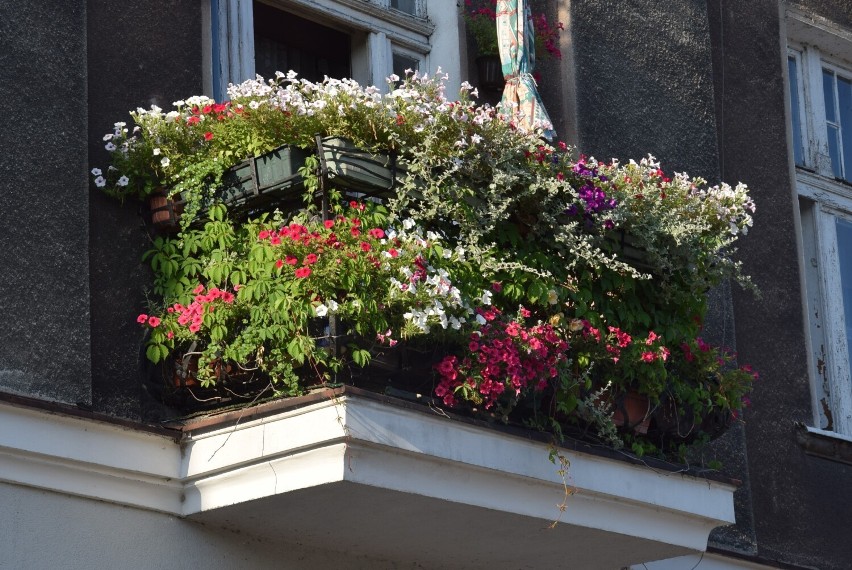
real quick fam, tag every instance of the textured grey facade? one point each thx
(699, 84)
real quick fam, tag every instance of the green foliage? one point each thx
(612, 260)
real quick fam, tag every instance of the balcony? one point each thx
(363, 473)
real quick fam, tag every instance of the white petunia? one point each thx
(321, 310)
(100, 181)
(108, 137)
(165, 162)
(123, 181)
(96, 172)
(109, 146)
(333, 305)
(156, 152)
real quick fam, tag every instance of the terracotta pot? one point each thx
(633, 411)
(164, 212)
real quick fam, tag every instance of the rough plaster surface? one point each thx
(40, 529)
(644, 82)
(157, 60)
(44, 289)
(800, 503)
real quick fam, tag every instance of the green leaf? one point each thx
(153, 353)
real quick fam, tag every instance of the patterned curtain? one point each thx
(516, 40)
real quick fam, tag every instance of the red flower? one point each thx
(393, 253)
(376, 233)
(328, 224)
(279, 264)
(208, 136)
(291, 260)
(365, 246)
(142, 319)
(355, 232)
(193, 120)
(303, 272)
(310, 259)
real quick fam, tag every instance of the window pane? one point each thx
(828, 91)
(403, 62)
(798, 150)
(844, 100)
(834, 151)
(844, 252)
(407, 6)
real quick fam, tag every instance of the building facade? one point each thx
(757, 91)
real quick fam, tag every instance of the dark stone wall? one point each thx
(139, 53)
(800, 503)
(644, 82)
(44, 235)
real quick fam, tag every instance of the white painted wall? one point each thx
(46, 530)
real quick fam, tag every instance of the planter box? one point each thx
(258, 184)
(372, 175)
(263, 182)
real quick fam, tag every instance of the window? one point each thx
(367, 40)
(820, 94)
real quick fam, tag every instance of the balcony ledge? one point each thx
(368, 476)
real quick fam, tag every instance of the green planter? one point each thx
(352, 168)
(258, 184)
(263, 182)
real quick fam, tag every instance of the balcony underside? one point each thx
(358, 473)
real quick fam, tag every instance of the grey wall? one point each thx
(44, 234)
(644, 82)
(800, 502)
(139, 53)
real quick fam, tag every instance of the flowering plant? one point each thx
(480, 17)
(609, 262)
(252, 294)
(504, 359)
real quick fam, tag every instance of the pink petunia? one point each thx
(303, 272)
(142, 319)
(153, 322)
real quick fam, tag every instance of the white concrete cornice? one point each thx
(363, 442)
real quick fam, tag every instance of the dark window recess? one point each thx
(284, 41)
(407, 6)
(403, 62)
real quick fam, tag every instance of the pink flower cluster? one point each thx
(192, 315)
(503, 355)
(617, 340)
(318, 242)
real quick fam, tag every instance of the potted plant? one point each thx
(494, 248)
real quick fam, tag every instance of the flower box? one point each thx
(352, 168)
(255, 185)
(263, 182)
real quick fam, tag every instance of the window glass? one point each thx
(798, 149)
(284, 41)
(844, 253)
(403, 62)
(844, 105)
(407, 6)
(832, 128)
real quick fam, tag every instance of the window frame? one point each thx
(376, 28)
(823, 199)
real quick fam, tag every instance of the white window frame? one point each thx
(386, 30)
(816, 44)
